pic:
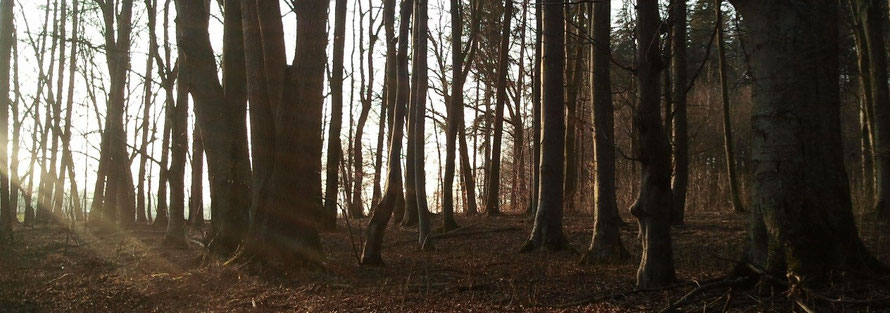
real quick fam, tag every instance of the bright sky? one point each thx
(30, 16)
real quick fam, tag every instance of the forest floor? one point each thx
(476, 269)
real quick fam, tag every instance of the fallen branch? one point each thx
(718, 284)
(623, 294)
(453, 234)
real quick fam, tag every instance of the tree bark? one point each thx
(289, 201)
(223, 130)
(387, 107)
(653, 205)
(356, 206)
(7, 212)
(151, 8)
(196, 205)
(119, 192)
(548, 229)
(392, 196)
(335, 150)
(419, 93)
(680, 123)
(175, 235)
(727, 122)
(536, 114)
(492, 202)
(606, 246)
(873, 22)
(800, 186)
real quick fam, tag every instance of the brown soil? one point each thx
(51, 269)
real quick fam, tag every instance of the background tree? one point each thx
(678, 119)
(727, 122)
(392, 196)
(335, 150)
(492, 203)
(419, 95)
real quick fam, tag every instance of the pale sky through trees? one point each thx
(92, 69)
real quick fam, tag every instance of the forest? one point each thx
(444, 156)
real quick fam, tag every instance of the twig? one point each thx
(683, 300)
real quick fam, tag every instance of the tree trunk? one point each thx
(44, 189)
(492, 202)
(335, 150)
(175, 235)
(680, 124)
(873, 22)
(548, 228)
(288, 202)
(167, 111)
(800, 186)
(119, 192)
(727, 122)
(455, 124)
(151, 8)
(866, 109)
(606, 245)
(421, 80)
(223, 129)
(573, 86)
(356, 207)
(15, 180)
(392, 196)
(7, 212)
(536, 114)
(196, 205)
(518, 188)
(653, 205)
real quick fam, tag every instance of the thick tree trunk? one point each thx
(223, 129)
(392, 196)
(800, 184)
(335, 150)
(289, 202)
(119, 192)
(653, 205)
(548, 228)
(7, 212)
(15, 180)
(680, 123)
(606, 245)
